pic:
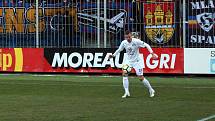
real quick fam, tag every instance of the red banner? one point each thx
(171, 60)
(74, 60)
(21, 60)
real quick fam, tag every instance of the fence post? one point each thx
(184, 23)
(98, 23)
(105, 23)
(37, 24)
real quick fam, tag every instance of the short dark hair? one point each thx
(127, 32)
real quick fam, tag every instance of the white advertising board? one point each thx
(199, 60)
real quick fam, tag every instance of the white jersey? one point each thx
(132, 49)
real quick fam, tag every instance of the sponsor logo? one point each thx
(165, 61)
(100, 60)
(11, 59)
(212, 62)
(76, 60)
(159, 26)
(212, 65)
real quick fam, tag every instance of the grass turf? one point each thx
(95, 98)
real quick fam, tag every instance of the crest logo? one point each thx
(206, 21)
(159, 19)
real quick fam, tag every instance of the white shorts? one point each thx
(138, 67)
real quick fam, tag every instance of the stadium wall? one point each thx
(85, 60)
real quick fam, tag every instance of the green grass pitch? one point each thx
(96, 98)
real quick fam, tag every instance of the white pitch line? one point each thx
(98, 85)
(207, 118)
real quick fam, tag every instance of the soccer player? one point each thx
(132, 45)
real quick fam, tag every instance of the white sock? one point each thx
(147, 84)
(126, 84)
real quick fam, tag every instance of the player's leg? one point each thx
(125, 84)
(147, 85)
(139, 72)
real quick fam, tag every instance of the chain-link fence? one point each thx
(101, 23)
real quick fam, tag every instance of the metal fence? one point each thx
(101, 23)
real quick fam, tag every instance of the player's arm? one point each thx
(121, 47)
(150, 50)
(143, 44)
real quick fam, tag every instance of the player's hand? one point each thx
(154, 56)
(110, 56)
